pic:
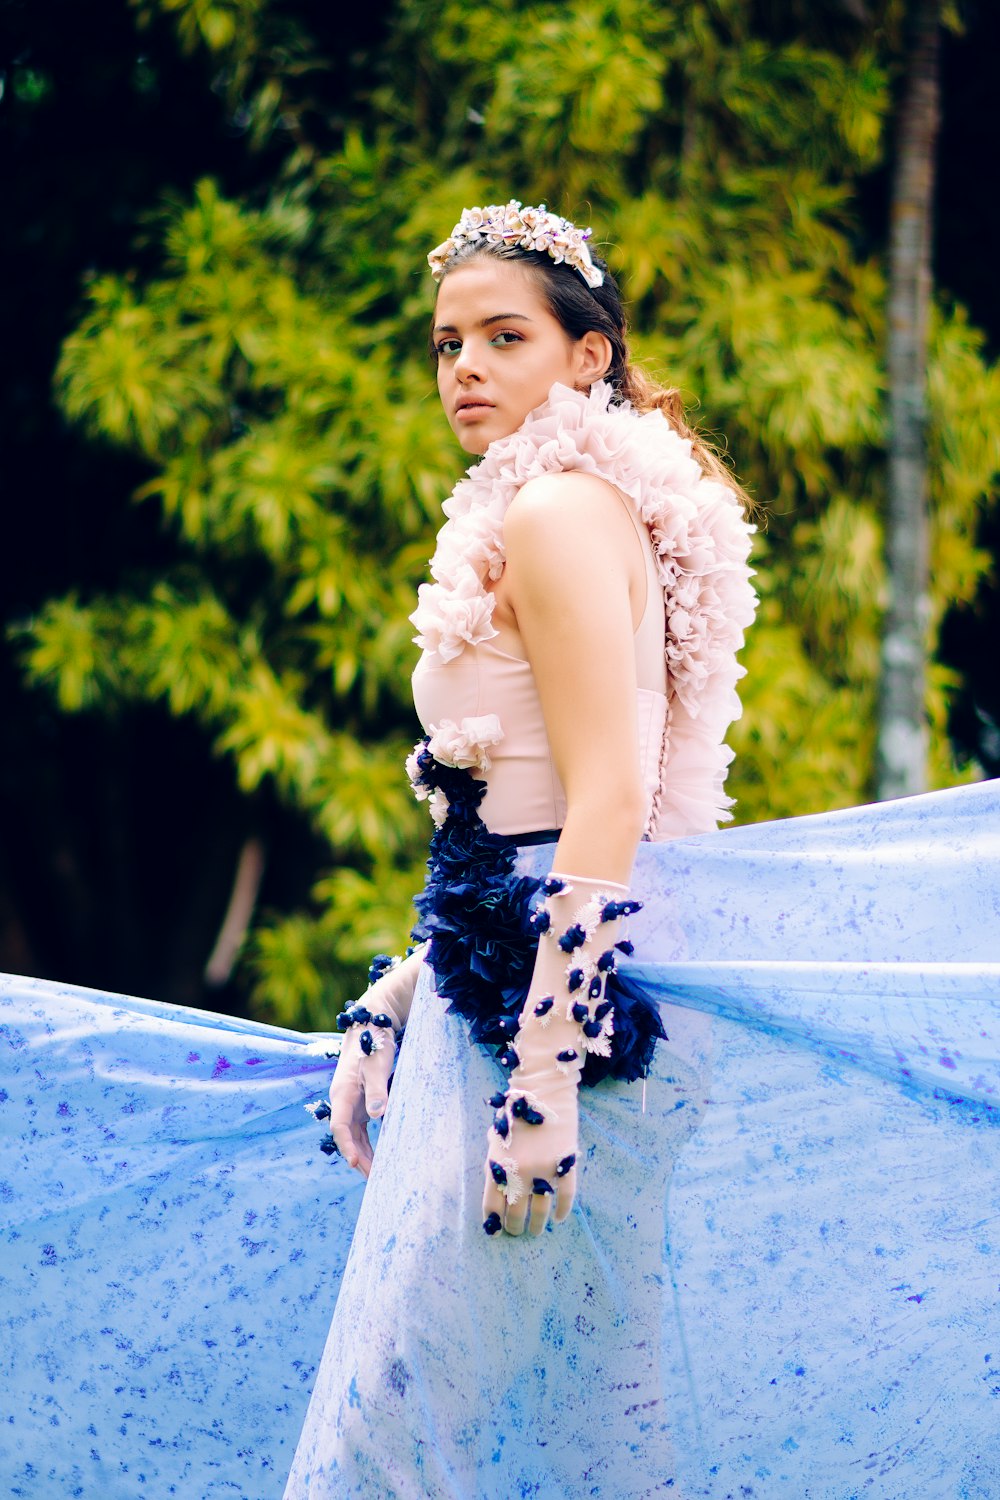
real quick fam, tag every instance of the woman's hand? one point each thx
(359, 1089)
(532, 1145)
(531, 1169)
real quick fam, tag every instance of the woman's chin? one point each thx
(477, 438)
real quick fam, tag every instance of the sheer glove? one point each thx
(532, 1143)
(359, 1089)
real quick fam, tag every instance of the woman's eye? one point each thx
(507, 335)
(448, 347)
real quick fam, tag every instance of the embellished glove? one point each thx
(372, 1027)
(532, 1143)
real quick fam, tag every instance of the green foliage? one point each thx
(273, 376)
(289, 455)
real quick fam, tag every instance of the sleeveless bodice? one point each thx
(524, 793)
(480, 706)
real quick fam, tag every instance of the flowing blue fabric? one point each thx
(781, 1278)
(172, 1239)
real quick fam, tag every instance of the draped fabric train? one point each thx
(780, 1278)
(827, 1234)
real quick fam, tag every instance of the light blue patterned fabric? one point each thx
(782, 1278)
(171, 1240)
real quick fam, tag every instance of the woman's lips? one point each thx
(469, 410)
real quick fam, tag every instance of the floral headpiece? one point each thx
(530, 228)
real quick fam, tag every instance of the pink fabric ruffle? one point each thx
(701, 541)
(466, 744)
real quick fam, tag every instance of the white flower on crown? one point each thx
(531, 228)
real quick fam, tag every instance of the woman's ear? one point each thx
(594, 355)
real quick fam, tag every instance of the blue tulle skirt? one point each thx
(781, 1278)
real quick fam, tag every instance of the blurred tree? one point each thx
(296, 467)
(268, 369)
(120, 832)
(902, 738)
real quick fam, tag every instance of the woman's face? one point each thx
(500, 350)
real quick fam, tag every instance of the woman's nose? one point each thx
(468, 363)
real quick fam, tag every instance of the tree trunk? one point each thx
(902, 748)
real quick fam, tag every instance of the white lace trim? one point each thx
(701, 544)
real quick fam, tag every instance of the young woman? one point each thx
(687, 1183)
(563, 587)
(579, 658)
(546, 638)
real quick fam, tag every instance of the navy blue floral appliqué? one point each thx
(478, 915)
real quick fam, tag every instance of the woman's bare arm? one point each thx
(573, 564)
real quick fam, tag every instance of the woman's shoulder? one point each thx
(570, 531)
(565, 499)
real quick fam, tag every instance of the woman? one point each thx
(544, 670)
(458, 1363)
(755, 1256)
(568, 632)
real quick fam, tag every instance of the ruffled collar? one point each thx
(700, 538)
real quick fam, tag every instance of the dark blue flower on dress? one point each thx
(477, 913)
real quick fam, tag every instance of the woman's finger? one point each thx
(539, 1215)
(516, 1217)
(564, 1195)
(494, 1204)
(351, 1140)
(374, 1073)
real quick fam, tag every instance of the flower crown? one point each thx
(530, 228)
